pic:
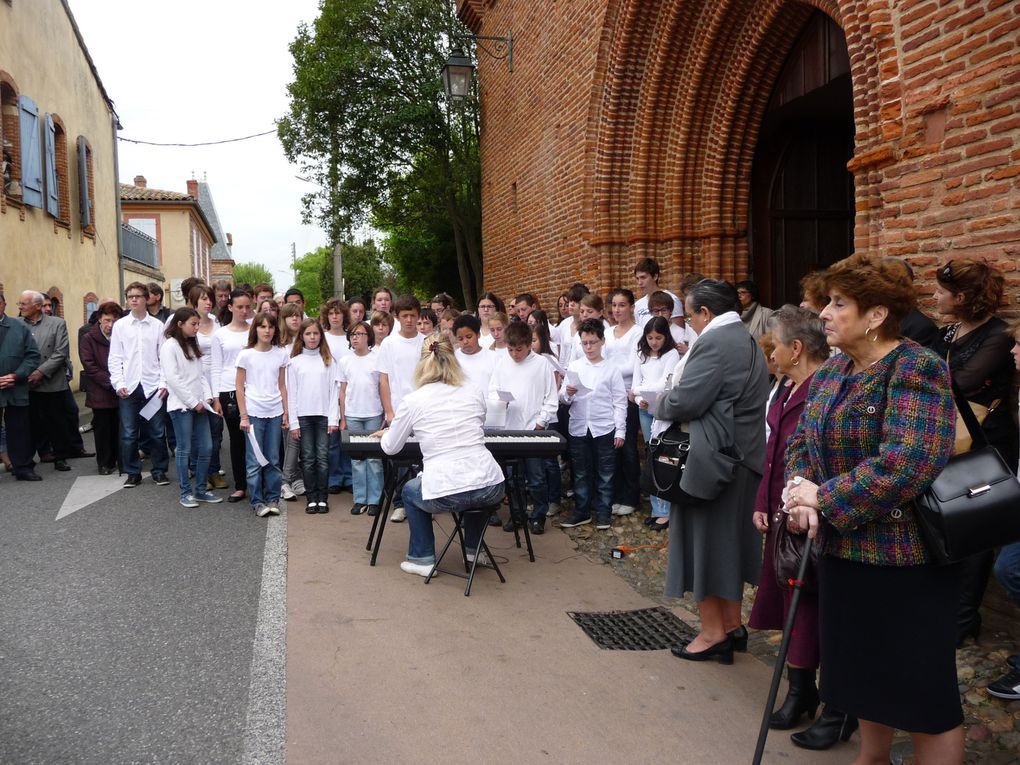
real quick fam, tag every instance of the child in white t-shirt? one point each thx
(361, 410)
(476, 363)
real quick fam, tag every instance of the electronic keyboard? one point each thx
(502, 444)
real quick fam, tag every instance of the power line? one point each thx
(203, 143)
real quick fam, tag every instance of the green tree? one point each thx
(252, 273)
(363, 271)
(368, 121)
(308, 271)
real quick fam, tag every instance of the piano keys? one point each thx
(503, 444)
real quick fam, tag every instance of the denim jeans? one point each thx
(216, 437)
(553, 481)
(421, 548)
(292, 467)
(367, 474)
(132, 424)
(339, 463)
(534, 478)
(660, 507)
(192, 431)
(264, 481)
(1007, 570)
(314, 456)
(594, 460)
(626, 488)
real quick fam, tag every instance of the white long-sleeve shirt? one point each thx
(533, 385)
(185, 378)
(134, 354)
(478, 366)
(622, 351)
(604, 408)
(447, 419)
(650, 374)
(313, 389)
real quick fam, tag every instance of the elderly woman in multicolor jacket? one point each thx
(876, 431)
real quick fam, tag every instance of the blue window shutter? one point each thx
(31, 156)
(83, 183)
(50, 161)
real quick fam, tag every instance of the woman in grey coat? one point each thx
(719, 395)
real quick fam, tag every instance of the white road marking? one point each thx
(89, 489)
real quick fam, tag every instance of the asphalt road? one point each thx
(134, 630)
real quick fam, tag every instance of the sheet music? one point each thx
(255, 450)
(151, 406)
(495, 414)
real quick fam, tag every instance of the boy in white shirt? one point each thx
(477, 365)
(398, 356)
(661, 304)
(532, 382)
(646, 275)
(597, 426)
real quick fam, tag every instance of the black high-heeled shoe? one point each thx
(721, 652)
(830, 727)
(801, 699)
(739, 638)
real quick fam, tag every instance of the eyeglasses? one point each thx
(359, 334)
(486, 305)
(136, 297)
(589, 343)
(661, 311)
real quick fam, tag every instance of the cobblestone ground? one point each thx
(993, 725)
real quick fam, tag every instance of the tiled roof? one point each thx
(131, 192)
(205, 201)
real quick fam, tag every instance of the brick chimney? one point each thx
(230, 241)
(193, 188)
(140, 181)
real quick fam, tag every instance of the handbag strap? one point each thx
(977, 433)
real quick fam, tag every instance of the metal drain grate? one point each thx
(648, 629)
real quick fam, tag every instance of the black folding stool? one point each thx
(458, 534)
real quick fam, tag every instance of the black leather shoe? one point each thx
(357, 509)
(237, 497)
(739, 637)
(105, 471)
(83, 453)
(511, 524)
(372, 511)
(801, 699)
(160, 479)
(323, 507)
(28, 475)
(537, 526)
(334, 489)
(132, 481)
(721, 652)
(61, 465)
(311, 508)
(47, 457)
(830, 727)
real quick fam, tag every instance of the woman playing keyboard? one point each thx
(458, 472)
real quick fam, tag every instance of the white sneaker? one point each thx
(421, 569)
(554, 509)
(483, 558)
(616, 508)
(274, 508)
(299, 487)
(398, 516)
(623, 509)
(287, 492)
(261, 510)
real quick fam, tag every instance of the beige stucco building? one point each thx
(59, 194)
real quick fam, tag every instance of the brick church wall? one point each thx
(627, 128)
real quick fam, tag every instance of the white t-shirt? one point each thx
(398, 357)
(262, 394)
(642, 314)
(477, 366)
(226, 345)
(361, 396)
(622, 351)
(338, 345)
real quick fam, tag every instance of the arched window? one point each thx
(58, 187)
(89, 305)
(57, 300)
(10, 141)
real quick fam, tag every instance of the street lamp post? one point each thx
(458, 72)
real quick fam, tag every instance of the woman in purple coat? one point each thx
(799, 337)
(100, 396)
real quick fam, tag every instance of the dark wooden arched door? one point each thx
(802, 195)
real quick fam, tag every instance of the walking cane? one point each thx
(784, 647)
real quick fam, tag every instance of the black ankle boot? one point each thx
(830, 727)
(801, 698)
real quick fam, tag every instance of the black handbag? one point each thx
(974, 504)
(788, 555)
(664, 464)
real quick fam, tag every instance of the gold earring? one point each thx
(795, 362)
(872, 339)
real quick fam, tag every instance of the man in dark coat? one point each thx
(19, 357)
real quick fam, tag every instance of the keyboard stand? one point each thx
(396, 472)
(517, 489)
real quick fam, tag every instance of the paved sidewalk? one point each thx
(382, 668)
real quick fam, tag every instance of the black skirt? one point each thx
(888, 643)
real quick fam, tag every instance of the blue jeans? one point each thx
(553, 481)
(421, 548)
(339, 463)
(534, 478)
(152, 431)
(192, 431)
(594, 461)
(314, 456)
(367, 474)
(264, 481)
(216, 436)
(1007, 571)
(660, 507)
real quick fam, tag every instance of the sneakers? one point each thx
(298, 487)
(372, 510)
(554, 509)
(1007, 686)
(575, 520)
(286, 492)
(274, 507)
(261, 510)
(602, 524)
(537, 526)
(189, 501)
(132, 481)
(421, 569)
(623, 509)
(398, 516)
(483, 558)
(358, 508)
(204, 496)
(160, 479)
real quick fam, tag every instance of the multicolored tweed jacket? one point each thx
(873, 441)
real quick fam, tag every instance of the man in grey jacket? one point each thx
(19, 357)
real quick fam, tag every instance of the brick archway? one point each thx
(682, 91)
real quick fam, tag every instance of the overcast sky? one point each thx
(208, 70)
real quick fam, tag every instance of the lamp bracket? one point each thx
(498, 48)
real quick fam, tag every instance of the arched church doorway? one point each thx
(802, 195)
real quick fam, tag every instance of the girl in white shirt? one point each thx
(262, 398)
(293, 484)
(202, 298)
(621, 351)
(655, 360)
(361, 410)
(458, 472)
(188, 401)
(314, 410)
(227, 343)
(488, 305)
